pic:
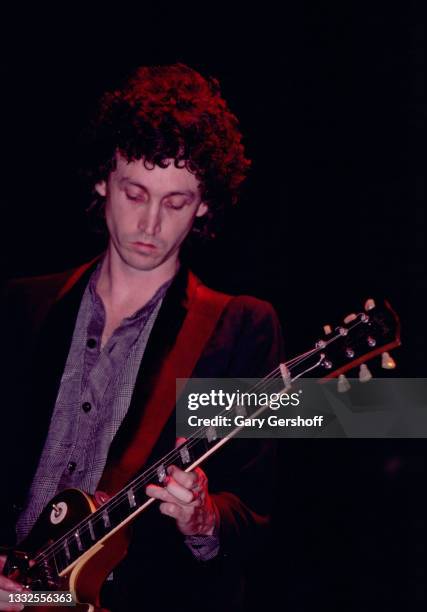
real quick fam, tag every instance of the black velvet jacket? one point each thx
(159, 570)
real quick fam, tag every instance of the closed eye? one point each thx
(136, 198)
(176, 204)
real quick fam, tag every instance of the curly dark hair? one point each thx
(171, 112)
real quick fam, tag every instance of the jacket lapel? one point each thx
(162, 338)
(48, 362)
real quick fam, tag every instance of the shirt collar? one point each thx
(98, 304)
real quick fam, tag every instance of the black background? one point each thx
(331, 100)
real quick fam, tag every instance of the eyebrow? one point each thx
(141, 186)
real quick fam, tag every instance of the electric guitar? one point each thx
(77, 541)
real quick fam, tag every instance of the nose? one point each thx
(149, 221)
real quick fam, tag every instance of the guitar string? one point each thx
(144, 478)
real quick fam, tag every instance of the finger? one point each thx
(180, 493)
(174, 510)
(189, 520)
(7, 584)
(160, 493)
(173, 492)
(4, 602)
(185, 479)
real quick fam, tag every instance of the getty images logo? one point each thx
(223, 399)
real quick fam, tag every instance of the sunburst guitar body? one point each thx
(41, 567)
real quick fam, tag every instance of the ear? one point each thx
(202, 209)
(101, 188)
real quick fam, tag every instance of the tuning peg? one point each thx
(343, 384)
(387, 361)
(369, 304)
(364, 373)
(327, 329)
(349, 318)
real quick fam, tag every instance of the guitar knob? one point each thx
(369, 304)
(364, 373)
(56, 510)
(387, 361)
(343, 385)
(58, 513)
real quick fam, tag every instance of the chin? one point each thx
(145, 263)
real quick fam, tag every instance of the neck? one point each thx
(119, 282)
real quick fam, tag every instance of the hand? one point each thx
(8, 586)
(186, 498)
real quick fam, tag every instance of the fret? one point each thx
(96, 528)
(85, 537)
(91, 531)
(60, 557)
(185, 455)
(73, 546)
(211, 433)
(67, 550)
(161, 473)
(106, 519)
(131, 498)
(78, 540)
(56, 558)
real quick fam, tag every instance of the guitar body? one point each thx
(85, 577)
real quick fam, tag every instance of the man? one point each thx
(86, 350)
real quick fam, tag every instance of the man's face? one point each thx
(149, 212)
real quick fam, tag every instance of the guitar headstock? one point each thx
(360, 337)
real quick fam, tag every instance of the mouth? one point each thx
(144, 245)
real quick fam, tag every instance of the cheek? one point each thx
(179, 228)
(111, 221)
(117, 218)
